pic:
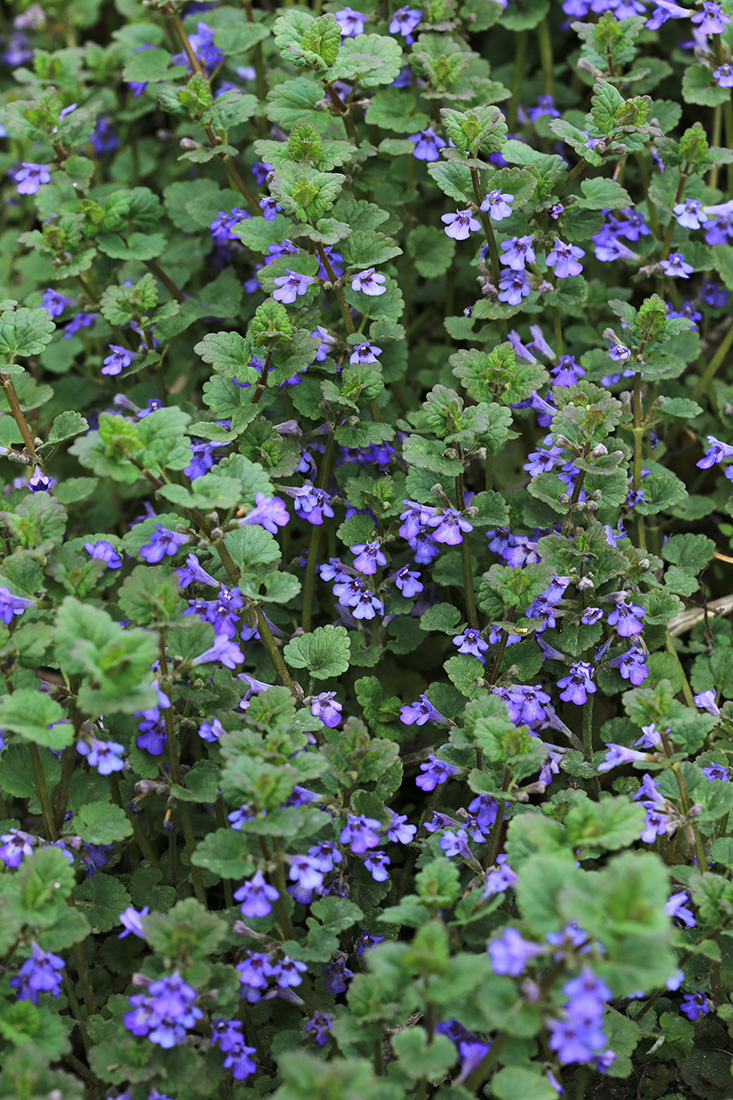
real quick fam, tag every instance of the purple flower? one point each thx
(618, 754)
(162, 542)
(427, 143)
(706, 700)
(408, 582)
(435, 772)
(15, 847)
(104, 551)
(711, 20)
(305, 871)
(675, 267)
(226, 1034)
(398, 831)
(369, 556)
(460, 225)
(290, 286)
(319, 1026)
(723, 76)
(365, 353)
(513, 286)
(323, 706)
(11, 605)
(117, 361)
(254, 972)
(471, 643)
(524, 704)
(55, 302)
(365, 942)
(376, 863)
(38, 974)
(578, 1036)
(370, 282)
(497, 205)
(694, 1005)
(578, 684)
(104, 139)
(690, 214)
(500, 879)
(545, 106)
(132, 923)
(717, 772)
(223, 650)
(269, 512)
(336, 973)
(288, 972)
(351, 22)
(676, 908)
(632, 666)
(448, 527)
(404, 22)
(567, 372)
(102, 755)
(510, 953)
(312, 504)
(565, 259)
(269, 208)
(367, 606)
(517, 252)
(255, 896)
(716, 452)
(30, 178)
(627, 620)
(419, 713)
(360, 833)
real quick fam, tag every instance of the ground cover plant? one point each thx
(365, 450)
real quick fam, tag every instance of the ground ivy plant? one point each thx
(366, 529)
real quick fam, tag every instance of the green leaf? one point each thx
(609, 824)
(101, 899)
(388, 111)
(66, 425)
(147, 67)
(228, 351)
(371, 58)
(225, 852)
(699, 86)
(603, 193)
(690, 552)
(101, 823)
(185, 932)
(24, 332)
(149, 594)
(31, 714)
(431, 250)
(419, 1057)
(518, 1082)
(324, 653)
(305, 192)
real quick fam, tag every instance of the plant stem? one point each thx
(577, 488)
(517, 77)
(588, 728)
(68, 760)
(638, 440)
(12, 399)
(173, 758)
(710, 371)
(146, 848)
(545, 44)
(469, 596)
(167, 282)
(343, 112)
(86, 984)
(702, 863)
(76, 1010)
(686, 689)
(315, 539)
(42, 791)
(486, 225)
(479, 1075)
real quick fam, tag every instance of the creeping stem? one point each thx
(470, 598)
(12, 399)
(315, 539)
